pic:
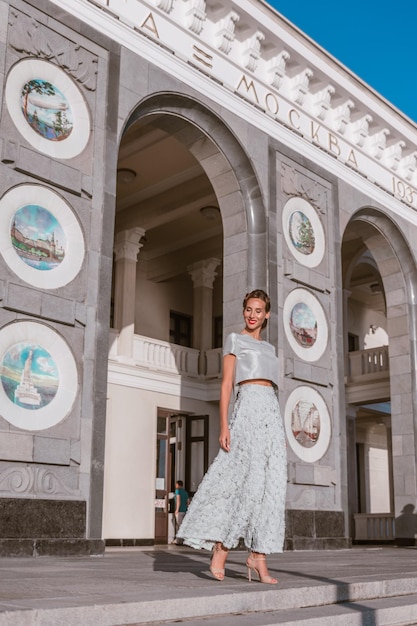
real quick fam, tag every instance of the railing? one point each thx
(368, 363)
(374, 526)
(214, 363)
(163, 356)
(159, 355)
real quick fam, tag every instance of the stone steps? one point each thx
(399, 611)
(377, 602)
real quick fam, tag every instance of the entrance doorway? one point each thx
(181, 454)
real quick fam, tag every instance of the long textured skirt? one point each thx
(242, 495)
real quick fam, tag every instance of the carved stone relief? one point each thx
(30, 480)
(294, 183)
(29, 37)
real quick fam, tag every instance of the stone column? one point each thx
(126, 248)
(203, 274)
(346, 295)
(352, 478)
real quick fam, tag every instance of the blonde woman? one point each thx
(242, 495)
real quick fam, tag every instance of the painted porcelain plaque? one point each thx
(307, 423)
(38, 374)
(305, 324)
(29, 375)
(40, 237)
(303, 232)
(47, 108)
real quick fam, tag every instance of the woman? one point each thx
(243, 493)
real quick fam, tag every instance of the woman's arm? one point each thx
(225, 393)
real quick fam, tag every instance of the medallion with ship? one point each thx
(305, 423)
(37, 237)
(29, 375)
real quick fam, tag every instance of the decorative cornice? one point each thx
(226, 32)
(164, 5)
(300, 85)
(253, 53)
(196, 15)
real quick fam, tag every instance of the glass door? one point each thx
(197, 451)
(162, 483)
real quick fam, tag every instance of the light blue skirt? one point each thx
(242, 495)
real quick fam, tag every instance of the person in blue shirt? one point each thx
(181, 505)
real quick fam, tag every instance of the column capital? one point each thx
(203, 272)
(127, 243)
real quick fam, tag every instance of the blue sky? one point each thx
(375, 40)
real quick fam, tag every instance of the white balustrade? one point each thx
(162, 356)
(214, 363)
(374, 526)
(372, 362)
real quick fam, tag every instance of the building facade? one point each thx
(159, 159)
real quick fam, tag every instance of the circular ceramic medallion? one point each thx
(40, 236)
(305, 324)
(38, 374)
(303, 232)
(307, 423)
(47, 108)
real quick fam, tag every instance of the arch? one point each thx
(226, 164)
(396, 265)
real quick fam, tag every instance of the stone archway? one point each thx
(187, 155)
(235, 184)
(396, 267)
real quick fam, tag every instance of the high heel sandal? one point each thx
(251, 565)
(217, 573)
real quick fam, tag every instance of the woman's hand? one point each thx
(224, 439)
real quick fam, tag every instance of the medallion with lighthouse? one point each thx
(38, 375)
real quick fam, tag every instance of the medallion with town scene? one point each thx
(38, 237)
(307, 423)
(305, 324)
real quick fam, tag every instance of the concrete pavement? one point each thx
(152, 585)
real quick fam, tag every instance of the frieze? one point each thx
(287, 84)
(29, 37)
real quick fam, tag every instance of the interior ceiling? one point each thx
(365, 284)
(165, 198)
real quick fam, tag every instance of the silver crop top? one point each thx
(254, 358)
